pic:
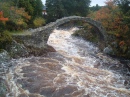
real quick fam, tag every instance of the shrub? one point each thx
(11, 26)
(2, 27)
(38, 21)
(5, 39)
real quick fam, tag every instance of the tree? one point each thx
(76, 7)
(25, 4)
(95, 8)
(33, 7)
(124, 5)
(60, 8)
(18, 17)
(55, 9)
(69, 6)
(113, 19)
(38, 8)
(82, 7)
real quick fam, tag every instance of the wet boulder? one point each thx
(4, 56)
(108, 50)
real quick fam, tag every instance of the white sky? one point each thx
(93, 2)
(43, 1)
(99, 2)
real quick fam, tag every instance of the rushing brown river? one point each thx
(77, 69)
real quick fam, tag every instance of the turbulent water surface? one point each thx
(77, 69)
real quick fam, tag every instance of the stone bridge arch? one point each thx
(39, 37)
(42, 34)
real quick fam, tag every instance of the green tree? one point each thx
(32, 7)
(5, 6)
(95, 8)
(55, 9)
(124, 5)
(82, 7)
(38, 8)
(76, 7)
(25, 4)
(69, 6)
(60, 8)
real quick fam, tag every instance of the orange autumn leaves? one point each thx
(19, 15)
(2, 17)
(112, 19)
(21, 12)
(117, 26)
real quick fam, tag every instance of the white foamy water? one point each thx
(77, 69)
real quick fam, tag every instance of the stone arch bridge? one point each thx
(40, 35)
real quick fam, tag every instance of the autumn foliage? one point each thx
(19, 15)
(112, 18)
(2, 17)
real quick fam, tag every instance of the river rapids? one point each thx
(76, 69)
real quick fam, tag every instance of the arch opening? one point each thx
(82, 25)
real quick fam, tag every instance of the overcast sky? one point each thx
(93, 2)
(99, 2)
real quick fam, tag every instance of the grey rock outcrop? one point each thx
(4, 57)
(108, 50)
